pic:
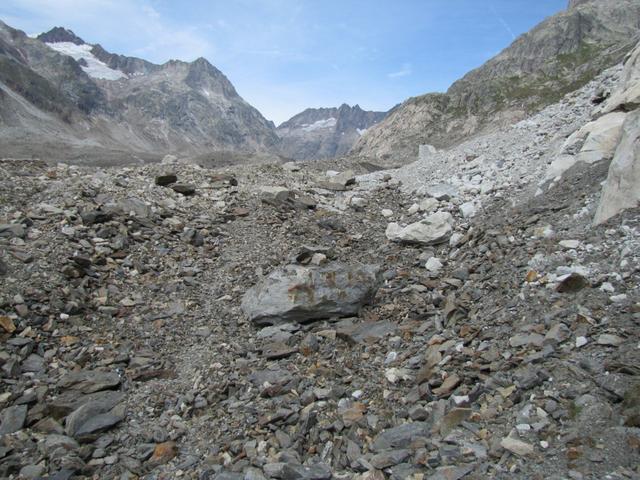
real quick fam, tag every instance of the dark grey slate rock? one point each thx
(400, 436)
(90, 381)
(319, 471)
(12, 419)
(94, 417)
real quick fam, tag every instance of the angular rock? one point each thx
(610, 340)
(557, 334)
(524, 340)
(166, 179)
(452, 419)
(319, 471)
(401, 436)
(10, 230)
(389, 458)
(95, 216)
(517, 446)
(302, 294)
(441, 191)
(366, 332)
(275, 195)
(12, 419)
(94, 417)
(339, 182)
(7, 324)
(572, 283)
(90, 381)
(451, 382)
(184, 189)
(468, 209)
(434, 229)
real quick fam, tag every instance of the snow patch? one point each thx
(361, 132)
(94, 67)
(326, 123)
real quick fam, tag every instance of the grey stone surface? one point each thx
(302, 294)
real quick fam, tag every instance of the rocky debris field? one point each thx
(275, 322)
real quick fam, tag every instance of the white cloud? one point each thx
(404, 71)
(503, 22)
(114, 23)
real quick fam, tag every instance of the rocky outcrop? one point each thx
(59, 91)
(561, 54)
(622, 188)
(319, 133)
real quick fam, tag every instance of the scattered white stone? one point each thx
(429, 205)
(358, 202)
(415, 208)
(386, 213)
(391, 357)
(607, 287)
(455, 239)
(544, 232)
(68, 231)
(468, 209)
(318, 259)
(460, 399)
(544, 444)
(433, 265)
(432, 230)
(291, 166)
(581, 341)
(357, 394)
(570, 244)
(618, 298)
(395, 374)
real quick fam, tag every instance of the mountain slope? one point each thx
(558, 56)
(57, 90)
(318, 133)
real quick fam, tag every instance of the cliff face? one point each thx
(557, 56)
(57, 90)
(319, 133)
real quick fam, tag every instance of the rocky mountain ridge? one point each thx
(559, 55)
(318, 133)
(59, 93)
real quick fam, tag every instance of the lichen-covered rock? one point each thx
(300, 294)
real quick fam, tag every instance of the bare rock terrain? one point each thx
(506, 349)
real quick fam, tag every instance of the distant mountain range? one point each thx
(62, 98)
(319, 133)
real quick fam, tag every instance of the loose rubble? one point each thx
(441, 342)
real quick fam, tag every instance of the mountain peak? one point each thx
(60, 34)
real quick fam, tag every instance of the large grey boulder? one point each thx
(302, 294)
(432, 230)
(594, 142)
(622, 188)
(627, 96)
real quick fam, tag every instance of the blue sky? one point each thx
(286, 55)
